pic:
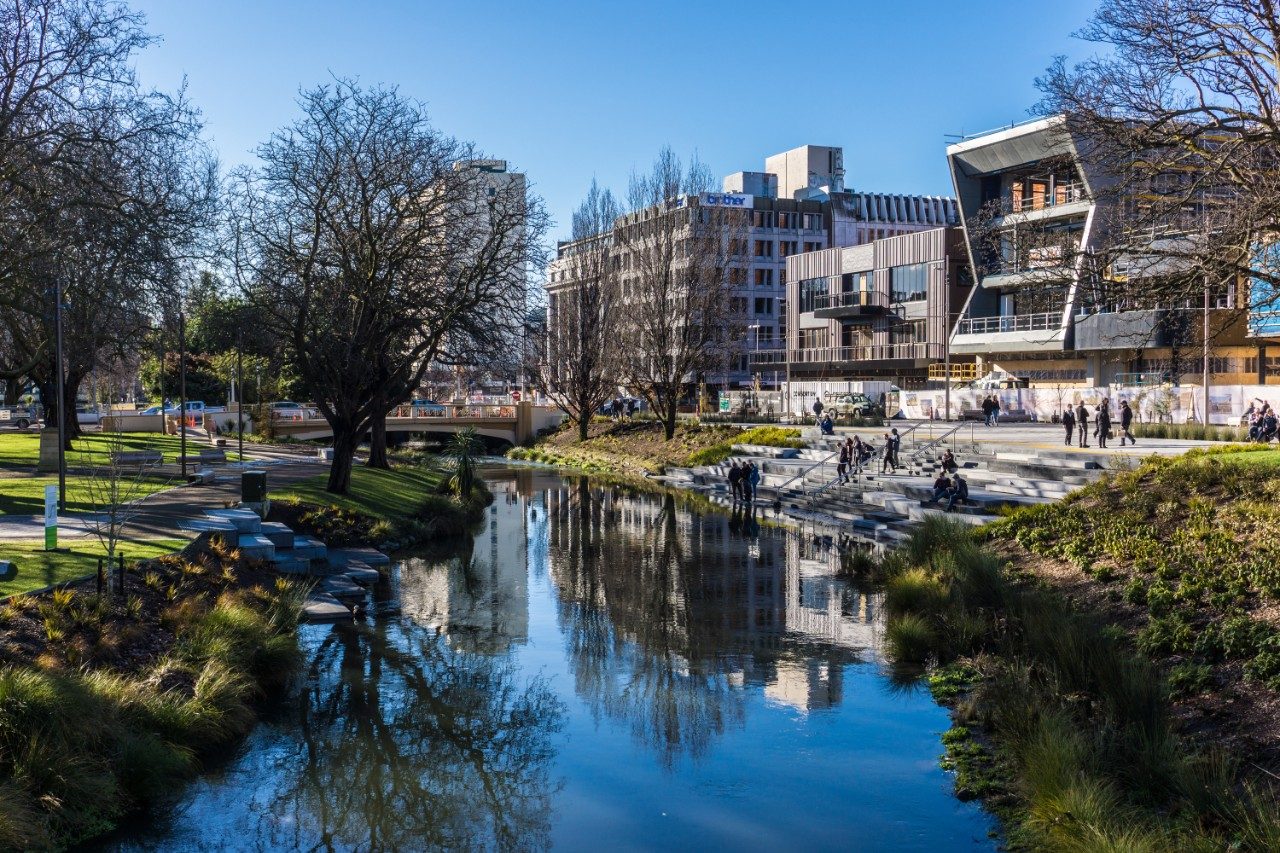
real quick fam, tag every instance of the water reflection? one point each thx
(598, 668)
(668, 612)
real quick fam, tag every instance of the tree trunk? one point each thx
(345, 439)
(70, 391)
(378, 442)
(669, 417)
(584, 424)
(12, 388)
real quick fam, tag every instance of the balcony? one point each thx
(1071, 193)
(864, 358)
(851, 305)
(1010, 333)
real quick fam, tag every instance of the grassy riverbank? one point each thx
(108, 704)
(78, 557)
(639, 447)
(1113, 660)
(396, 508)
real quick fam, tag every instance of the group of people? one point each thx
(1263, 424)
(743, 481)
(954, 487)
(855, 453)
(1075, 422)
(991, 410)
(620, 408)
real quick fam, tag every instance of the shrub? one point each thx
(910, 638)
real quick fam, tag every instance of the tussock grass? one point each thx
(1080, 720)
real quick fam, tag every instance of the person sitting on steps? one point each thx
(959, 492)
(949, 462)
(941, 488)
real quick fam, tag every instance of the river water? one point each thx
(599, 669)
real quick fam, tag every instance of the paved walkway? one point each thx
(160, 512)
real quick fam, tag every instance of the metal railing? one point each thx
(856, 467)
(853, 299)
(458, 411)
(1063, 194)
(960, 371)
(950, 433)
(1043, 322)
(823, 355)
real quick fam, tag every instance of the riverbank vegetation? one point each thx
(390, 508)
(108, 703)
(1112, 660)
(77, 558)
(639, 446)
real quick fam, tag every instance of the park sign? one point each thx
(51, 518)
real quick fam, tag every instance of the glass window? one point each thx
(909, 283)
(810, 290)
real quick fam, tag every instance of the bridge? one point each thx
(513, 423)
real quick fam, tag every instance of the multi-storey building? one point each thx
(797, 205)
(1034, 221)
(880, 310)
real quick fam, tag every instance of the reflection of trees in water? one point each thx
(410, 745)
(637, 653)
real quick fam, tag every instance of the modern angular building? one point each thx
(1041, 310)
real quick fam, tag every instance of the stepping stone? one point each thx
(245, 521)
(369, 556)
(279, 534)
(324, 608)
(339, 586)
(256, 546)
(362, 574)
(287, 565)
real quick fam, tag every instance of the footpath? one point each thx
(1004, 466)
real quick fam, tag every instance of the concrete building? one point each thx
(1041, 311)
(878, 311)
(797, 205)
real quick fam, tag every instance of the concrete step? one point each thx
(308, 548)
(361, 573)
(279, 534)
(320, 607)
(256, 546)
(245, 520)
(341, 557)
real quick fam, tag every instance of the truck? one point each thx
(18, 417)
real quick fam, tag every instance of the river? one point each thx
(600, 669)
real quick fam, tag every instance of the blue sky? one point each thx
(568, 91)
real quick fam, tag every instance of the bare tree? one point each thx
(1181, 111)
(579, 370)
(115, 488)
(374, 250)
(678, 316)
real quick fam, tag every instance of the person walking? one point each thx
(1103, 416)
(890, 461)
(1069, 424)
(986, 410)
(846, 455)
(1126, 420)
(753, 482)
(1082, 424)
(735, 481)
(817, 410)
(995, 410)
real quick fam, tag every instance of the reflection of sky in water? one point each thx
(598, 670)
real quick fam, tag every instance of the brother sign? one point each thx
(725, 200)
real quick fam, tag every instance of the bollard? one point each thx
(121, 559)
(100, 580)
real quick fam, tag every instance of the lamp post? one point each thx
(240, 394)
(62, 397)
(182, 392)
(755, 352)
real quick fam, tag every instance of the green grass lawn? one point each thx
(387, 495)
(21, 450)
(38, 568)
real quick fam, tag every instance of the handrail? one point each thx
(858, 467)
(822, 461)
(937, 441)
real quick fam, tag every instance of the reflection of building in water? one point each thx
(479, 601)
(711, 593)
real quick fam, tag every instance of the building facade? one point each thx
(797, 206)
(1041, 309)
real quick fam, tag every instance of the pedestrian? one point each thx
(890, 460)
(949, 464)
(1126, 420)
(995, 410)
(753, 482)
(1069, 424)
(735, 481)
(846, 456)
(817, 411)
(895, 446)
(861, 452)
(959, 492)
(986, 410)
(1103, 417)
(1082, 424)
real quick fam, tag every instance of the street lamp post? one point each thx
(240, 394)
(62, 397)
(182, 393)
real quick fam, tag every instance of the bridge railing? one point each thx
(456, 412)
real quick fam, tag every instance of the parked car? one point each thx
(195, 407)
(19, 417)
(154, 410)
(857, 405)
(86, 416)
